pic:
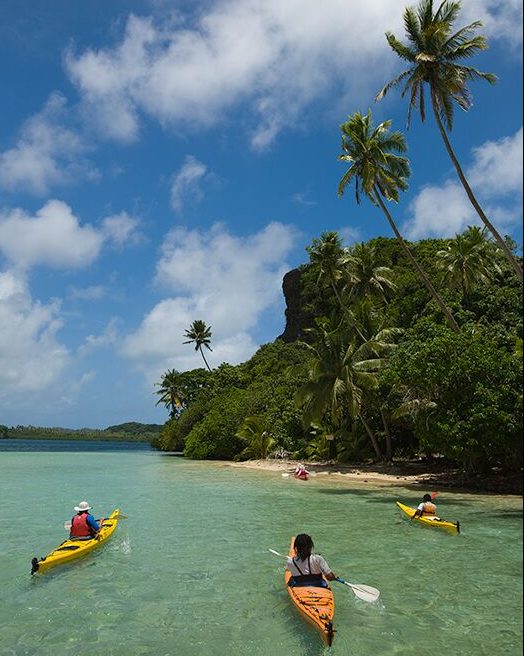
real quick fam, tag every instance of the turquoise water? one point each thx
(189, 572)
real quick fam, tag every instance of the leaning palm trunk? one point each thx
(204, 357)
(371, 435)
(427, 282)
(387, 435)
(500, 241)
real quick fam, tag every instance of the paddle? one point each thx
(364, 592)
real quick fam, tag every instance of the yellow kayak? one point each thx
(428, 520)
(72, 549)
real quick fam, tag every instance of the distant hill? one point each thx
(131, 431)
(134, 428)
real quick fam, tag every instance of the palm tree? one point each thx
(379, 173)
(342, 373)
(366, 277)
(327, 253)
(433, 53)
(259, 441)
(200, 334)
(469, 259)
(171, 392)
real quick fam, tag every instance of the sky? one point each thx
(162, 162)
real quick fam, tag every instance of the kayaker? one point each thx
(301, 472)
(306, 567)
(83, 525)
(426, 507)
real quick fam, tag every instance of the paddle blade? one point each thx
(364, 592)
(67, 526)
(276, 553)
(434, 495)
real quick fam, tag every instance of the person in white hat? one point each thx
(83, 525)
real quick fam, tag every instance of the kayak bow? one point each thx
(72, 549)
(436, 522)
(316, 604)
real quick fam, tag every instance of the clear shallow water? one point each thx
(188, 573)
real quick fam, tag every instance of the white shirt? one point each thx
(318, 566)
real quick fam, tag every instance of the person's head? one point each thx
(83, 506)
(303, 546)
(426, 497)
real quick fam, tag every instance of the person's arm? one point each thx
(418, 512)
(91, 521)
(325, 568)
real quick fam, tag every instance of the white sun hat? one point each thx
(82, 506)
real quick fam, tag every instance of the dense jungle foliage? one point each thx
(378, 372)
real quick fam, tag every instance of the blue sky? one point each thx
(162, 162)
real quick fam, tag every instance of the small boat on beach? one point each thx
(315, 603)
(428, 520)
(73, 549)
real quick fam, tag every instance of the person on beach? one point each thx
(426, 508)
(306, 567)
(301, 472)
(83, 525)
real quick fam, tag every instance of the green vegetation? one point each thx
(127, 432)
(409, 349)
(382, 374)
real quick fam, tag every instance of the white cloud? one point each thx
(53, 237)
(31, 357)
(186, 182)
(495, 176)
(497, 166)
(224, 280)
(47, 153)
(121, 229)
(277, 56)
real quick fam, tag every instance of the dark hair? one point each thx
(426, 497)
(303, 546)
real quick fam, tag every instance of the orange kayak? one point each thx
(316, 604)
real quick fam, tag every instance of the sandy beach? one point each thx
(417, 474)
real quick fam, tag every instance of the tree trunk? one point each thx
(427, 282)
(371, 436)
(204, 358)
(389, 451)
(500, 241)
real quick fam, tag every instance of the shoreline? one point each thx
(415, 474)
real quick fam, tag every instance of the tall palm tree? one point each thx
(468, 260)
(199, 334)
(433, 53)
(171, 392)
(379, 172)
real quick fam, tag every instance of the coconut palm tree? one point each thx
(365, 276)
(433, 54)
(327, 253)
(199, 334)
(380, 173)
(171, 392)
(343, 371)
(468, 260)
